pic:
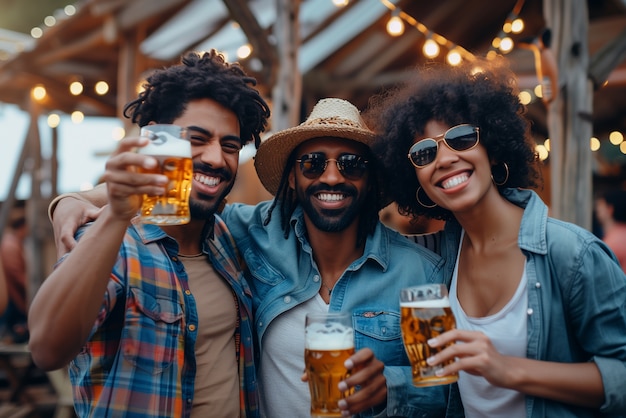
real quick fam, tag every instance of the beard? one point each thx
(203, 207)
(331, 220)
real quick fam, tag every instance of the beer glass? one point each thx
(329, 342)
(424, 314)
(171, 147)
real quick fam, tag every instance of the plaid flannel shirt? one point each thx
(139, 359)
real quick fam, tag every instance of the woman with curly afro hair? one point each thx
(539, 303)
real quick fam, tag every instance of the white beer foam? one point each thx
(321, 337)
(168, 145)
(437, 303)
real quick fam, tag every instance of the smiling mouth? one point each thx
(330, 197)
(206, 180)
(454, 181)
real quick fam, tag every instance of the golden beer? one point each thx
(420, 321)
(174, 161)
(327, 346)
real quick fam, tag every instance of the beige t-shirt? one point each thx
(217, 379)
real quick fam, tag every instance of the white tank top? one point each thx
(507, 331)
(283, 393)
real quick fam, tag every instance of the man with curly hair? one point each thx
(155, 320)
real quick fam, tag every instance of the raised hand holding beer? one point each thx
(170, 146)
(425, 313)
(329, 342)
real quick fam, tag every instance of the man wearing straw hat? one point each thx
(319, 246)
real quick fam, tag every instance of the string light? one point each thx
(38, 93)
(54, 120)
(101, 88)
(616, 138)
(244, 51)
(76, 88)
(77, 117)
(456, 54)
(506, 45)
(431, 48)
(454, 57)
(594, 143)
(395, 25)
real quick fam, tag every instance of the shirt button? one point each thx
(192, 327)
(529, 311)
(537, 285)
(316, 278)
(189, 401)
(260, 324)
(174, 258)
(188, 292)
(287, 299)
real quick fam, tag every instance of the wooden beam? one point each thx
(257, 36)
(88, 42)
(607, 59)
(140, 11)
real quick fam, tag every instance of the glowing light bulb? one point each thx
(453, 57)
(616, 137)
(38, 93)
(76, 88)
(430, 48)
(395, 26)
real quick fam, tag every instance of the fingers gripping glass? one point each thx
(351, 166)
(457, 138)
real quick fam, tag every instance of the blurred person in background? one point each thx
(12, 254)
(610, 210)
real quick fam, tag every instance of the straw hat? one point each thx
(334, 118)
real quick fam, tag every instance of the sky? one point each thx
(82, 153)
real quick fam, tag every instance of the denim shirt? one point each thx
(286, 275)
(576, 302)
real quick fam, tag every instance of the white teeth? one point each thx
(208, 181)
(330, 197)
(455, 181)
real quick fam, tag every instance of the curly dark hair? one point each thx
(486, 98)
(201, 76)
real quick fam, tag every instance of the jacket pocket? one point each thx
(380, 331)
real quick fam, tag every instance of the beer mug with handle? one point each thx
(170, 145)
(329, 342)
(424, 314)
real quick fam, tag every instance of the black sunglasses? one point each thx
(351, 166)
(458, 138)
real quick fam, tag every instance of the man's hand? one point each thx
(70, 213)
(124, 188)
(367, 374)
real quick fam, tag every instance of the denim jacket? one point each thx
(285, 275)
(576, 302)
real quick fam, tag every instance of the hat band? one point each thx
(334, 121)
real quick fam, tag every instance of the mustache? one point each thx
(208, 170)
(339, 188)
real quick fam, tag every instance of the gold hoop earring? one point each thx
(506, 175)
(417, 197)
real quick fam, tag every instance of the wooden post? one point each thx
(287, 92)
(569, 115)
